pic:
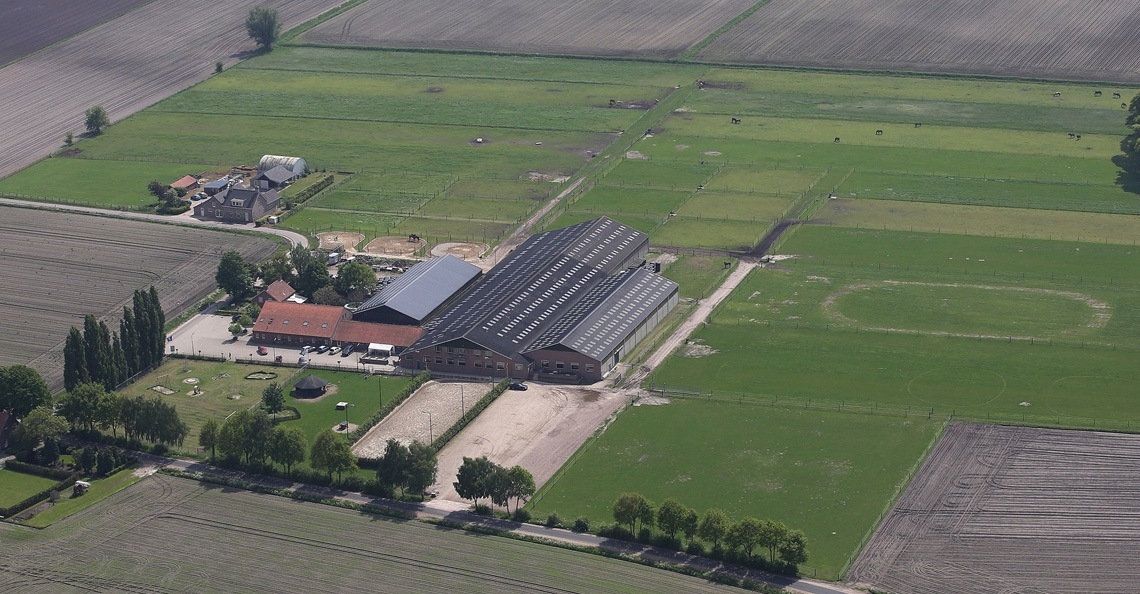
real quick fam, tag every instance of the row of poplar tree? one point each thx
(102, 356)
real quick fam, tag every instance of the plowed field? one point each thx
(1005, 509)
(125, 65)
(57, 267)
(31, 26)
(1069, 39)
(656, 28)
(174, 535)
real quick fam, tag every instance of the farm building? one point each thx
(274, 179)
(278, 290)
(237, 204)
(297, 165)
(186, 182)
(216, 186)
(564, 306)
(418, 293)
(295, 324)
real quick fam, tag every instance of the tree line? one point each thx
(102, 356)
(305, 270)
(716, 528)
(480, 478)
(90, 407)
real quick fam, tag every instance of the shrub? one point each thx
(695, 548)
(645, 535)
(553, 520)
(218, 67)
(521, 515)
(581, 524)
(483, 510)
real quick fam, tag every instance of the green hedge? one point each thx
(470, 414)
(311, 191)
(385, 410)
(53, 473)
(6, 512)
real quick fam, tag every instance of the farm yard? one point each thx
(1061, 39)
(215, 539)
(814, 471)
(1013, 509)
(47, 93)
(584, 27)
(69, 265)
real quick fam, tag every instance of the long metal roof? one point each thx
(422, 288)
(536, 285)
(602, 319)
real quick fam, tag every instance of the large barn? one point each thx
(418, 293)
(564, 306)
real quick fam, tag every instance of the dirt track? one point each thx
(125, 65)
(538, 429)
(1011, 509)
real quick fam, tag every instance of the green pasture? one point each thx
(106, 183)
(398, 180)
(502, 189)
(645, 223)
(826, 473)
(696, 275)
(510, 210)
(991, 192)
(951, 138)
(419, 99)
(959, 90)
(660, 174)
(762, 208)
(605, 199)
(362, 392)
(689, 232)
(18, 486)
(370, 201)
(439, 230)
(764, 180)
(981, 220)
(504, 67)
(311, 221)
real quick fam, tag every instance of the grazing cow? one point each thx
(700, 84)
(836, 140)
(918, 124)
(1078, 136)
(1097, 93)
(613, 102)
(1057, 94)
(728, 264)
(735, 120)
(878, 132)
(1116, 95)
(1071, 135)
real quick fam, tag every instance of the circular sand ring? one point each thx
(393, 246)
(190, 380)
(331, 240)
(463, 251)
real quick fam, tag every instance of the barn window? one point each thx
(438, 361)
(438, 349)
(589, 367)
(518, 366)
(451, 361)
(545, 363)
(479, 364)
(462, 363)
(476, 352)
(559, 364)
(574, 366)
(499, 365)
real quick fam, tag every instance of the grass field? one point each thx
(100, 489)
(18, 486)
(220, 382)
(221, 539)
(815, 471)
(95, 182)
(696, 275)
(1007, 329)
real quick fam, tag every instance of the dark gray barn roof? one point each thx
(418, 292)
(536, 285)
(277, 175)
(600, 321)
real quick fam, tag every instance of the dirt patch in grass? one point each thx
(464, 251)
(393, 246)
(335, 240)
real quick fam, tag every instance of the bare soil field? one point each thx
(463, 251)
(392, 246)
(1068, 39)
(656, 28)
(1011, 509)
(538, 429)
(334, 240)
(166, 534)
(124, 65)
(411, 421)
(28, 27)
(57, 267)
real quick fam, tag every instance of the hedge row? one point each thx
(385, 410)
(54, 473)
(311, 191)
(470, 414)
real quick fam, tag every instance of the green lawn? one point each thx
(101, 488)
(18, 486)
(826, 473)
(696, 275)
(93, 182)
(361, 392)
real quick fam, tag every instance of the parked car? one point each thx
(334, 350)
(305, 350)
(347, 350)
(262, 350)
(518, 386)
(322, 348)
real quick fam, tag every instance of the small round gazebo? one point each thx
(310, 386)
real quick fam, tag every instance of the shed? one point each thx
(295, 164)
(186, 182)
(216, 186)
(310, 386)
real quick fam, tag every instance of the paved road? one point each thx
(293, 238)
(458, 512)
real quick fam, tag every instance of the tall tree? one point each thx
(231, 438)
(119, 359)
(521, 485)
(95, 119)
(671, 516)
(793, 549)
(81, 405)
(109, 413)
(143, 330)
(690, 524)
(158, 326)
(276, 268)
(355, 280)
(713, 526)
(473, 479)
(92, 349)
(108, 374)
(393, 467)
(770, 537)
(273, 398)
(331, 453)
(129, 335)
(630, 508)
(744, 535)
(263, 26)
(208, 436)
(74, 360)
(287, 445)
(41, 423)
(312, 272)
(256, 442)
(233, 276)
(423, 467)
(22, 390)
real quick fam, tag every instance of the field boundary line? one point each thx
(691, 53)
